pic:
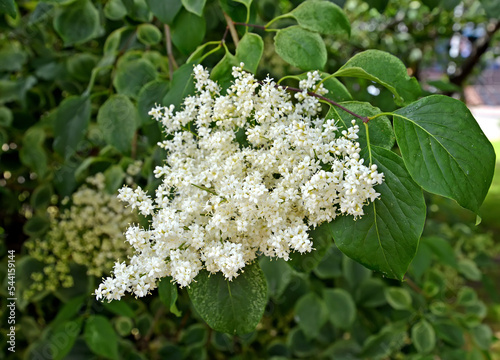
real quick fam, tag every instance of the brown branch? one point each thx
(168, 43)
(232, 29)
(250, 25)
(223, 40)
(413, 285)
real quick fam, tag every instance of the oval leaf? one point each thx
(148, 34)
(398, 298)
(301, 48)
(323, 17)
(165, 10)
(117, 119)
(311, 314)
(341, 307)
(233, 307)
(182, 85)
(445, 150)
(194, 6)
(386, 237)
(249, 51)
(188, 31)
(132, 75)
(385, 69)
(100, 337)
(423, 336)
(77, 22)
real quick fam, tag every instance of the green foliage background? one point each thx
(77, 79)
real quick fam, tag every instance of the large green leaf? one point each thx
(323, 17)
(445, 150)
(311, 314)
(188, 31)
(385, 69)
(77, 22)
(194, 6)
(182, 85)
(301, 48)
(70, 125)
(165, 10)
(100, 337)
(132, 75)
(249, 51)
(341, 307)
(233, 307)
(386, 237)
(63, 338)
(379, 129)
(117, 119)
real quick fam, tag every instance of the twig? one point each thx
(232, 29)
(250, 25)
(171, 60)
(223, 40)
(413, 285)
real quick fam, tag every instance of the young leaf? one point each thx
(311, 314)
(445, 150)
(148, 34)
(423, 336)
(115, 10)
(164, 10)
(249, 51)
(385, 69)
(301, 48)
(398, 298)
(72, 119)
(323, 17)
(117, 119)
(194, 6)
(77, 22)
(233, 307)
(483, 336)
(100, 337)
(181, 86)
(188, 31)
(386, 237)
(341, 307)
(380, 128)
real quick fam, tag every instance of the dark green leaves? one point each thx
(132, 75)
(168, 295)
(165, 10)
(233, 307)
(188, 31)
(181, 86)
(386, 237)
(72, 119)
(8, 7)
(323, 17)
(249, 51)
(77, 22)
(341, 307)
(117, 119)
(100, 337)
(311, 314)
(301, 48)
(194, 6)
(445, 150)
(385, 69)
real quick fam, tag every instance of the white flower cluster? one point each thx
(247, 173)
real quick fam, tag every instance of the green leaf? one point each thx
(181, 86)
(398, 298)
(330, 265)
(114, 178)
(483, 336)
(469, 269)
(33, 154)
(445, 150)
(301, 48)
(423, 336)
(341, 307)
(233, 307)
(80, 66)
(386, 237)
(148, 34)
(164, 10)
(115, 10)
(188, 31)
(117, 119)
(278, 275)
(336, 90)
(70, 125)
(323, 17)
(152, 93)
(222, 72)
(168, 295)
(380, 128)
(354, 273)
(63, 338)
(249, 51)
(491, 8)
(41, 196)
(100, 337)
(311, 314)
(383, 344)
(370, 293)
(6, 116)
(119, 308)
(77, 22)
(8, 7)
(12, 56)
(132, 75)
(12, 90)
(194, 6)
(385, 69)
(138, 10)
(36, 225)
(380, 5)
(247, 3)
(441, 249)
(322, 238)
(449, 332)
